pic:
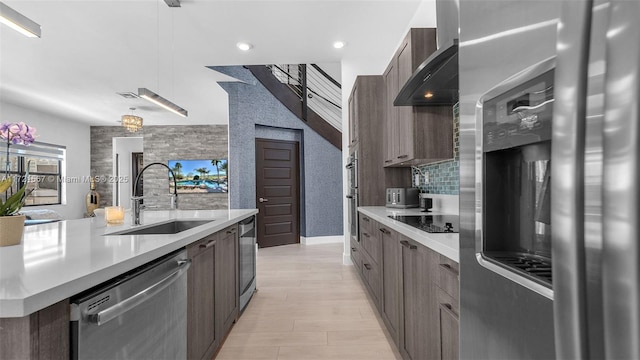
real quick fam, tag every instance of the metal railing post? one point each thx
(303, 83)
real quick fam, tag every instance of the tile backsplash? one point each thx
(444, 176)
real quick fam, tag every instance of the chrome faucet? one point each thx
(137, 207)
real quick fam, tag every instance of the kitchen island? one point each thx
(58, 260)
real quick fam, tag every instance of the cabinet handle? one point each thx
(406, 244)
(449, 269)
(388, 161)
(207, 245)
(385, 231)
(403, 156)
(367, 266)
(354, 249)
(381, 230)
(365, 234)
(449, 310)
(365, 219)
(232, 231)
(349, 196)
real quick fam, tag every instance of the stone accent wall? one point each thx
(161, 144)
(444, 177)
(200, 142)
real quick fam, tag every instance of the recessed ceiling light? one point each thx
(428, 95)
(339, 44)
(244, 46)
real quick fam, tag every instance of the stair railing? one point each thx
(316, 90)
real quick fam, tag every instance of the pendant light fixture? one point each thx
(151, 96)
(18, 22)
(131, 122)
(162, 102)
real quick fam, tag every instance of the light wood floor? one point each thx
(308, 306)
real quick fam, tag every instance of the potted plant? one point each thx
(11, 223)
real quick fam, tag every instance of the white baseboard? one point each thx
(346, 259)
(317, 240)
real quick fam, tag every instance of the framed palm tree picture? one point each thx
(199, 176)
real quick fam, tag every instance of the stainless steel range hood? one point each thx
(435, 82)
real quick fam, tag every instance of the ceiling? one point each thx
(92, 49)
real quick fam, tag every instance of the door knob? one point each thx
(263, 200)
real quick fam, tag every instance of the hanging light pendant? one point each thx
(131, 122)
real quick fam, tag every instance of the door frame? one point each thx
(260, 218)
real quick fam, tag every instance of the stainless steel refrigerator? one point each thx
(549, 130)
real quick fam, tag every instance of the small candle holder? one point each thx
(114, 215)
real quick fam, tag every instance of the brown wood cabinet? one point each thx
(227, 292)
(372, 276)
(41, 335)
(212, 292)
(353, 117)
(415, 289)
(370, 257)
(202, 341)
(414, 134)
(448, 326)
(391, 138)
(391, 280)
(419, 337)
(355, 255)
(366, 107)
(448, 308)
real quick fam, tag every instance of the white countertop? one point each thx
(58, 260)
(445, 244)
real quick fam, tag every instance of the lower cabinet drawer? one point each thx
(373, 277)
(355, 255)
(364, 222)
(449, 277)
(448, 326)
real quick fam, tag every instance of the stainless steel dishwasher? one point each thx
(247, 260)
(139, 315)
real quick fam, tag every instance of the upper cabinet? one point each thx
(353, 123)
(414, 135)
(366, 123)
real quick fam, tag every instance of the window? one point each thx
(46, 164)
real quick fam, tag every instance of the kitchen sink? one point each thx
(172, 227)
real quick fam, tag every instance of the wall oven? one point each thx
(352, 167)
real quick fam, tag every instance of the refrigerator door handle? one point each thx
(567, 167)
(621, 194)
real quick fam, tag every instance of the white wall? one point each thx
(425, 16)
(334, 69)
(59, 131)
(124, 147)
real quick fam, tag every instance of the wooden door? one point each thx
(201, 332)
(277, 192)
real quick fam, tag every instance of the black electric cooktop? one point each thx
(431, 223)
